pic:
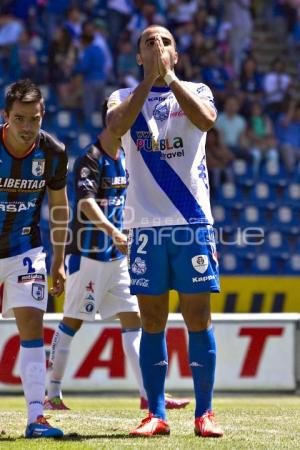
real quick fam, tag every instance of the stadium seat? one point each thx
(264, 264)
(291, 195)
(263, 194)
(243, 172)
(232, 263)
(95, 125)
(292, 265)
(252, 216)
(229, 194)
(64, 125)
(84, 139)
(276, 243)
(274, 173)
(286, 219)
(224, 217)
(229, 263)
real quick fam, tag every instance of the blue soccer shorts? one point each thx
(179, 257)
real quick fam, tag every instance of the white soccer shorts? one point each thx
(98, 286)
(25, 281)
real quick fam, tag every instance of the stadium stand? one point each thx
(267, 200)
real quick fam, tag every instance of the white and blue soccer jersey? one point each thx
(166, 163)
(23, 182)
(100, 177)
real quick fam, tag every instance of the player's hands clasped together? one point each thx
(163, 57)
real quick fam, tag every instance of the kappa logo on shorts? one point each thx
(200, 263)
(139, 266)
(38, 291)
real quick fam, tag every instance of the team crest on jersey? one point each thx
(38, 291)
(38, 167)
(139, 266)
(161, 112)
(200, 263)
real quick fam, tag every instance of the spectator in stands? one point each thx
(185, 36)
(190, 62)
(215, 75)
(126, 64)
(288, 134)
(182, 11)
(10, 30)
(250, 83)
(277, 86)
(260, 137)
(91, 66)
(204, 23)
(218, 158)
(24, 61)
(61, 62)
(98, 29)
(145, 15)
(232, 128)
(237, 13)
(119, 13)
(73, 23)
(54, 13)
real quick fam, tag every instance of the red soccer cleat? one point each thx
(151, 426)
(171, 403)
(207, 426)
(55, 403)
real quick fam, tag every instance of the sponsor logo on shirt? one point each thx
(169, 148)
(18, 207)
(21, 185)
(112, 201)
(113, 182)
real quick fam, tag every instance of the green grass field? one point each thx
(250, 422)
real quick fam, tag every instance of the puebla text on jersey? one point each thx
(23, 182)
(165, 160)
(100, 177)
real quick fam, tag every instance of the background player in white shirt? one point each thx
(163, 124)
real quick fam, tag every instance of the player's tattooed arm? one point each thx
(201, 113)
(120, 118)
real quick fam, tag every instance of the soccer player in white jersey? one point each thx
(162, 125)
(97, 271)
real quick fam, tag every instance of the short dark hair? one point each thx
(104, 112)
(24, 91)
